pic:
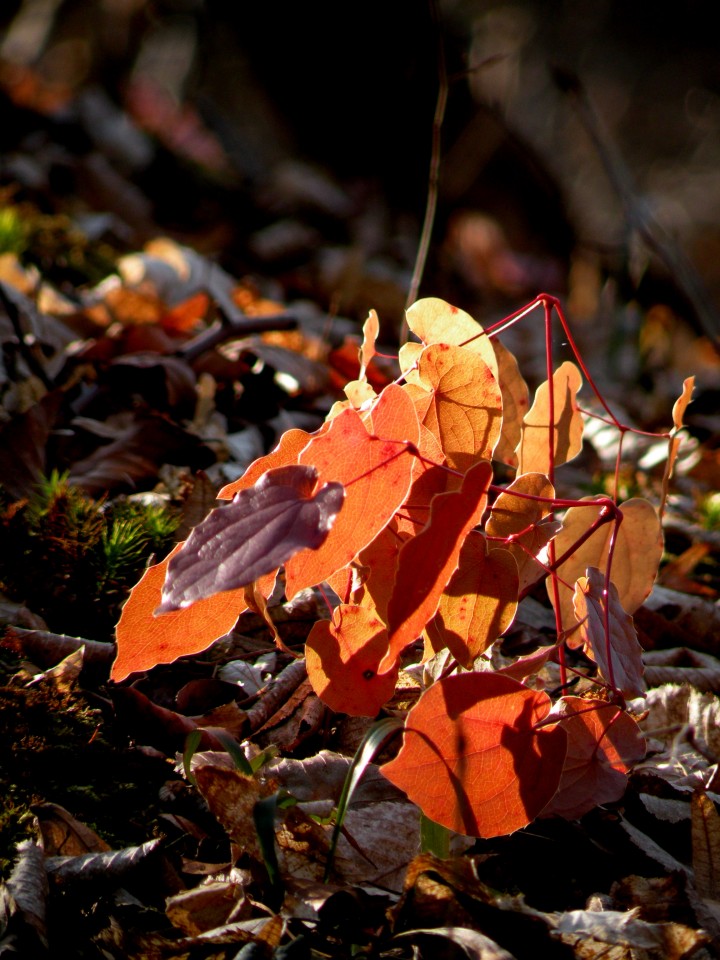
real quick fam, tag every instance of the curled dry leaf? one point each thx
(465, 741)
(603, 744)
(617, 652)
(371, 328)
(515, 401)
(263, 527)
(533, 451)
(343, 656)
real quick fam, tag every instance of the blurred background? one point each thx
(580, 153)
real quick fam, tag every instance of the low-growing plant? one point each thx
(393, 503)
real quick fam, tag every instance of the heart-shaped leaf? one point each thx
(474, 756)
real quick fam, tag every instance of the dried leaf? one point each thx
(63, 835)
(259, 531)
(464, 743)
(113, 865)
(343, 655)
(533, 451)
(705, 845)
(474, 945)
(619, 654)
(371, 329)
(515, 401)
(28, 886)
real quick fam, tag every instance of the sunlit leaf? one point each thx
(519, 521)
(479, 602)
(286, 452)
(458, 398)
(371, 328)
(343, 655)
(375, 470)
(263, 527)
(565, 438)
(515, 401)
(426, 562)
(617, 652)
(603, 744)
(474, 757)
(435, 321)
(638, 549)
(144, 640)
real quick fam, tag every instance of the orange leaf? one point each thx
(678, 413)
(603, 744)
(519, 521)
(638, 549)
(427, 561)
(285, 453)
(429, 477)
(515, 401)
(534, 447)
(143, 641)
(435, 321)
(458, 398)
(479, 602)
(375, 470)
(473, 757)
(343, 655)
(371, 328)
(621, 647)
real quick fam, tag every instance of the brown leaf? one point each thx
(706, 845)
(93, 867)
(515, 400)
(63, 835)
(619, 654)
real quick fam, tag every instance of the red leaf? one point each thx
(427, 561)
(260, 530)
(342, 661)
(474, 758)
(375, 469)
(603, 744)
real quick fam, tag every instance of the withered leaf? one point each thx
(260, 530)
(617, 652)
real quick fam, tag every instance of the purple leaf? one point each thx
(260, 530)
